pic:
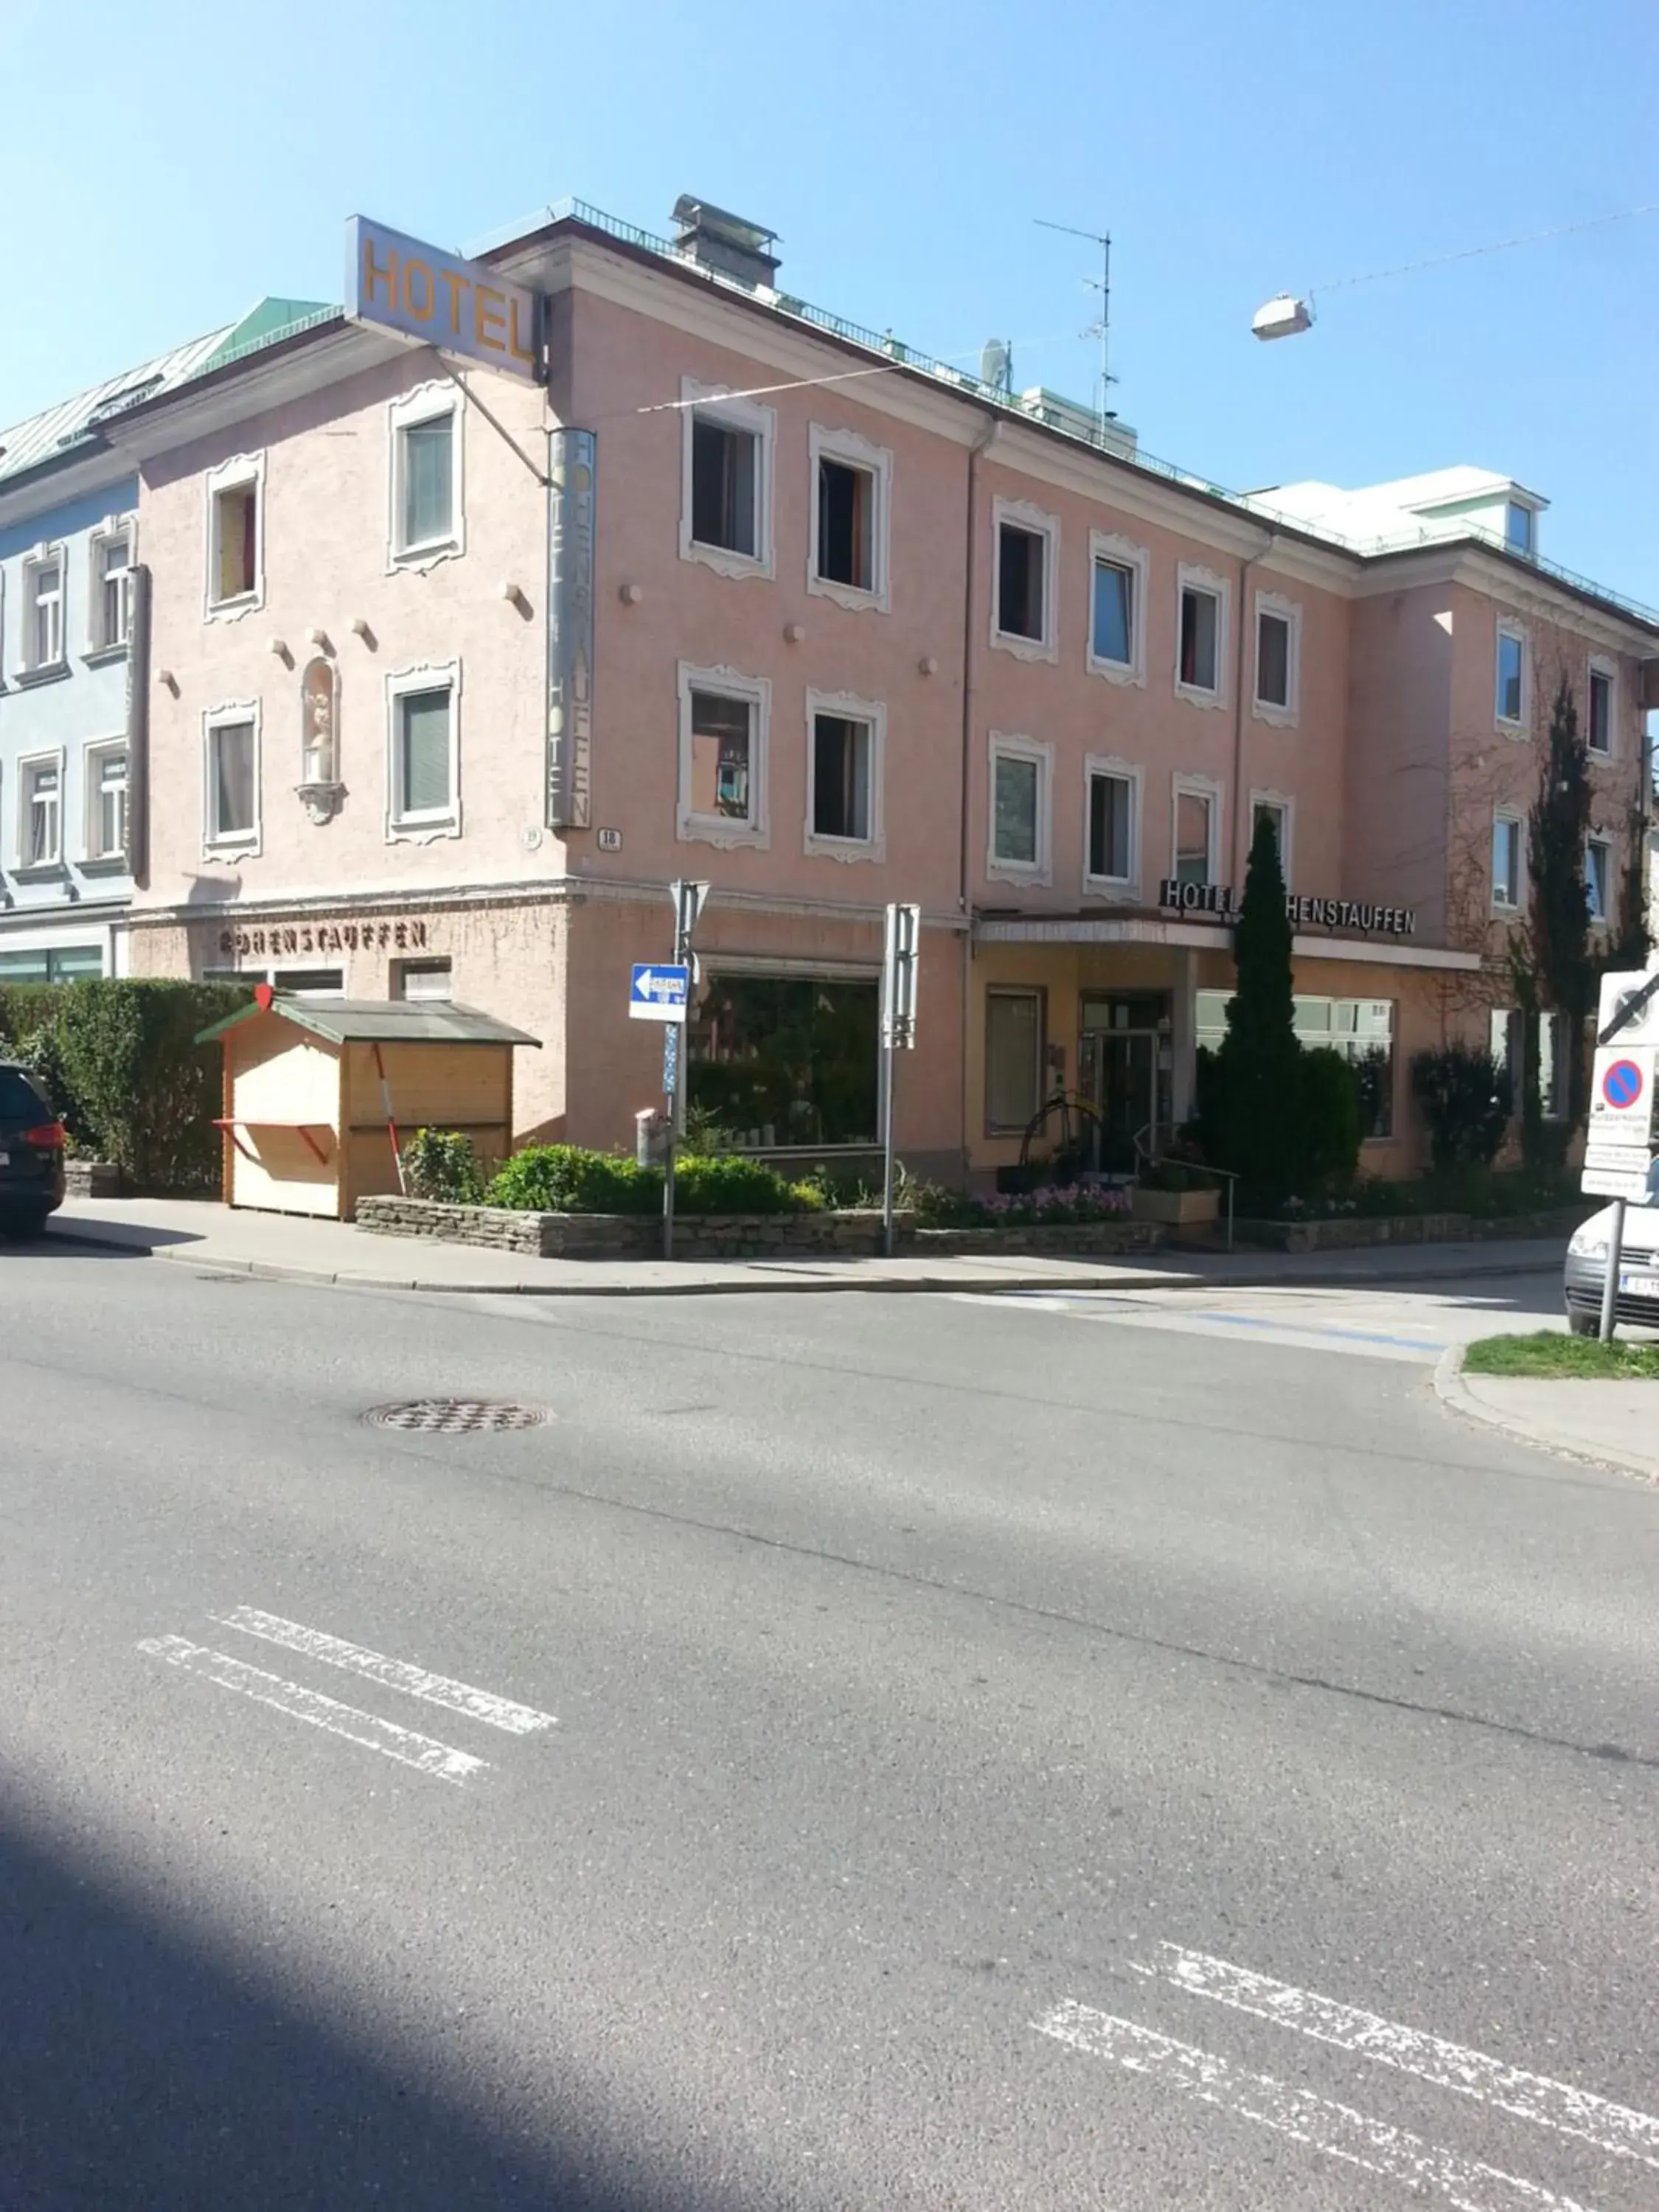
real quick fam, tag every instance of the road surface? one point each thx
(890, 1753)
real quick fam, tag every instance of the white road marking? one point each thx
(1534, 2097)
(1336, 2130)
(422, 1752)
(393, 1674)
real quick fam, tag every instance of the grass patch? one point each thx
(1556, 1356)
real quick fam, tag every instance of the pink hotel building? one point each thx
(859, 629)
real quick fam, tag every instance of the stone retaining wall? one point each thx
(628, 1236)
(1079, 1240)
(1354, 1232)
(92, 1179)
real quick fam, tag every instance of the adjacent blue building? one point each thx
(71, 594)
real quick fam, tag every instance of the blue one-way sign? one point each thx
(658, 992)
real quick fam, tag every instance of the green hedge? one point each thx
(565, 1179)
(120, 1059)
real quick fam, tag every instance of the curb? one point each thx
(1456, 1395)
(1126, 1284)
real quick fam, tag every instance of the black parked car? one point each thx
(31, 1154)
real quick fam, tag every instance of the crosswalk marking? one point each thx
(393, 1674)
(1335, 2129)
(1535, 2097)
(423, 1753)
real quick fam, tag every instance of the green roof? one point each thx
(379, 1021)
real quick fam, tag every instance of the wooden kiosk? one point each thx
(320, 1094)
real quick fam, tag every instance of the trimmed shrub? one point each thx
(1467, 1099)
(730, 1184)
(441, 1164)
(565, 1179)
(1330, 1121)
(120, 1058)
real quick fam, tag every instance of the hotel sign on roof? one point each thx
(428, 296)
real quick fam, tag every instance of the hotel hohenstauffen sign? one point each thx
(1363, 917)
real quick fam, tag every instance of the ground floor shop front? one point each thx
(781, 1049)
(1105, 1017)
(1097, 1025)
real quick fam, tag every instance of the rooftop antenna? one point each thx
(1101, 329)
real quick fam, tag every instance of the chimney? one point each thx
(724, 243)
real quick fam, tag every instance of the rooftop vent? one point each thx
(726, 243)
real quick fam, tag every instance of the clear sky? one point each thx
(163, 165)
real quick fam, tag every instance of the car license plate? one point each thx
(5, 1159)
(1639, 1287)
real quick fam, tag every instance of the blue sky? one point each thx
(181, 159)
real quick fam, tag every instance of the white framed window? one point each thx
(1509, 850)
(1600, 720)
(1018, 846)
(40, 811)
(1276, 808)
(1504, 1043)
(725, 732)
(1598, 877)
(1278, 689)
(1111, 826)
(1513, 699)
(426, 521)
(45, 575)
(1554, 1038)
(236, 536)
(1013, 1058)
(422, 979)
(1118, 570)
(109, 588)
(848, 554)
(104, 781)
(1195, 835)
(1520, 527)
(423, 752)
(230, 757)
(1201, 606)
(1024, 579)
(846, 748)
(726, 488)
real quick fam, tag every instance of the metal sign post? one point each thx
(1615, 1255)
(689, 900)
(898, 1034)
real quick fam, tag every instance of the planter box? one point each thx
(629, 1236)
(1182, 1209)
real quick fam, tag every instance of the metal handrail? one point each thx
(1229, 1176)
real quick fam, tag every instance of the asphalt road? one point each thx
(868, 1752)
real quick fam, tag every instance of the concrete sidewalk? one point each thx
(215, 1240)
(1611, 1424)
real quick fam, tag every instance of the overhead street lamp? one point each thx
(1284, 316)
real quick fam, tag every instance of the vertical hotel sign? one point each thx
(428, 296)
(571, 472)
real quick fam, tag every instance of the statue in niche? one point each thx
(321, 790)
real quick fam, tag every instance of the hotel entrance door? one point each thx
(1124, 1064)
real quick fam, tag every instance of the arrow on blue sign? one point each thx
(658, 991)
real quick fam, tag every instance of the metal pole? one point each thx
(1610, 1284)
(676, 1104)
(887, 1058)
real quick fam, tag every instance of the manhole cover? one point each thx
(458, 1417)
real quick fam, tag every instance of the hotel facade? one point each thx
(448, 673)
